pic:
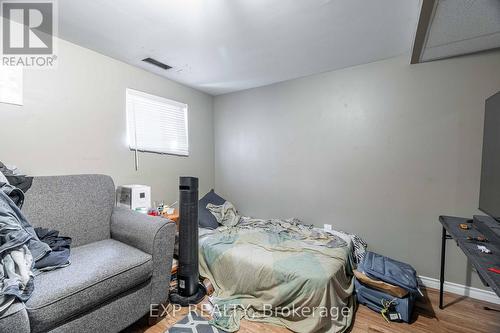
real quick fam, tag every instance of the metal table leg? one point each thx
(441, 277)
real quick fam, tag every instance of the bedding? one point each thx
(205, 218)
(281, 272)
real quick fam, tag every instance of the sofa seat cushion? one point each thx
(98, 272)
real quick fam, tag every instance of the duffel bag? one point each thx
(392, 308)
(394, 272)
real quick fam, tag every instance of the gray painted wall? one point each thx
(73, 121)
(380, 150)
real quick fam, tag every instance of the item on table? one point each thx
(153, 212)
(477, 239)
(142, 210)
(483, 249)
(464, 226)
(494, 270)
(169, 209)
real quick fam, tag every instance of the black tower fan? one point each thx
(189, 289)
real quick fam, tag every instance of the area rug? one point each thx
(193, 323)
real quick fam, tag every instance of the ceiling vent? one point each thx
(157, 63)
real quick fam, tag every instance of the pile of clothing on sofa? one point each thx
(13, 176)
(24, 250)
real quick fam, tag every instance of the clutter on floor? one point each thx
(195, 323)
(387, 286)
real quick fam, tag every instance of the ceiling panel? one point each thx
(461, 27)
(220, 46)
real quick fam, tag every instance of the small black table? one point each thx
(480, 261)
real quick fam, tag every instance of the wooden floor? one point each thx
(460, 315)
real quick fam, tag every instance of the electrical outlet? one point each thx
(327, 227)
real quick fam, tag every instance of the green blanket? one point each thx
(280, 272)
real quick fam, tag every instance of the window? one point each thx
(156, 124)
(11, 85)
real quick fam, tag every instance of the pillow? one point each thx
(205, 217)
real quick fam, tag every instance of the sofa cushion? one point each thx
(79, 206)
(98, 272)
(15, 319)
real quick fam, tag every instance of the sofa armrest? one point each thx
(153, 235)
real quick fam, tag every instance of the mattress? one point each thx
(260, 275)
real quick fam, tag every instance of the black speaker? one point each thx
(189, 289)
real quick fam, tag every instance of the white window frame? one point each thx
(130, 114)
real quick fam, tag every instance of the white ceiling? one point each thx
(220, 46)
(462, 26)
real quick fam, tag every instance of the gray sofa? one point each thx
(120, 260)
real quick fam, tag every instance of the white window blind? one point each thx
(156, 124)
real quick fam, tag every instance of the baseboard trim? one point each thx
(459, 289)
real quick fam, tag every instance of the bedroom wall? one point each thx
(73, 121)
(380, 150)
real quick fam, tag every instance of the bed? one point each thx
(280, 272)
